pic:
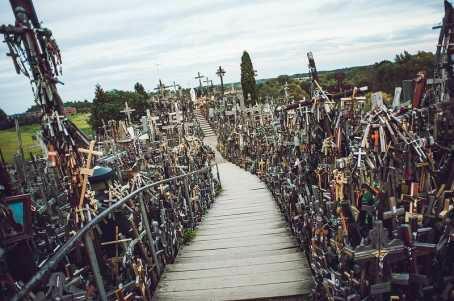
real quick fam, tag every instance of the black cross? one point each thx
(221, 72)
(199, 77)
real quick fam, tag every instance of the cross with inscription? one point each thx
(128, 112)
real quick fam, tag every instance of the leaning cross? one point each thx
(86, 171)
(128, 112)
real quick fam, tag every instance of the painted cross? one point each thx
(359, 153)
(128, 112)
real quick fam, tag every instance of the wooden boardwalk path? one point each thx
(243, 249)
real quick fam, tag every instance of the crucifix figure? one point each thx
(221, 72)
(128, 112)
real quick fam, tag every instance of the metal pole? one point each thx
(146, 224)
(95, 266)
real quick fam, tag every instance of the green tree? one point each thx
(248, 80)
(138, 87)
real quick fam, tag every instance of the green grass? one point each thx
(8, 139)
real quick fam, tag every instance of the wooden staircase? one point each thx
(206, 128)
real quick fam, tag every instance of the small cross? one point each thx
(128, 111)
(359, 153)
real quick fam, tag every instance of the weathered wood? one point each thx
(243, 249)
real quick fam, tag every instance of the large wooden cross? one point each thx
(86, 172)
(199, 77)
(128, 112)
(221, 72)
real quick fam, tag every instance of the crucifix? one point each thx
(86, 172)
(221, 72)
(128, 112)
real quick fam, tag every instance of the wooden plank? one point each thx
(244, 270)
(236, 262)
(259, 231)
(194, 256)
(239, 242)
(295, 288)
(220, 229)
(231, 281)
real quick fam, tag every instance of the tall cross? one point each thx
(86, 172)
(128, 111)
(199, 77)
(221, 72)
(207, 81)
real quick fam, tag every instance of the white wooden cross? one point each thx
(128, 111)
(86, 172)
(359, 153)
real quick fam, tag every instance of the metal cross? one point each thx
(128, 111)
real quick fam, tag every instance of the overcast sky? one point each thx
(117, 43)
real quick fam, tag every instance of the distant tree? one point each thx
(248, 80)
(282, 79)
(99, 109)
(138, 87)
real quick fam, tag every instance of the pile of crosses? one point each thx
(368, 192)
(97, 219)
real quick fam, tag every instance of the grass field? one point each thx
(8, 140)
